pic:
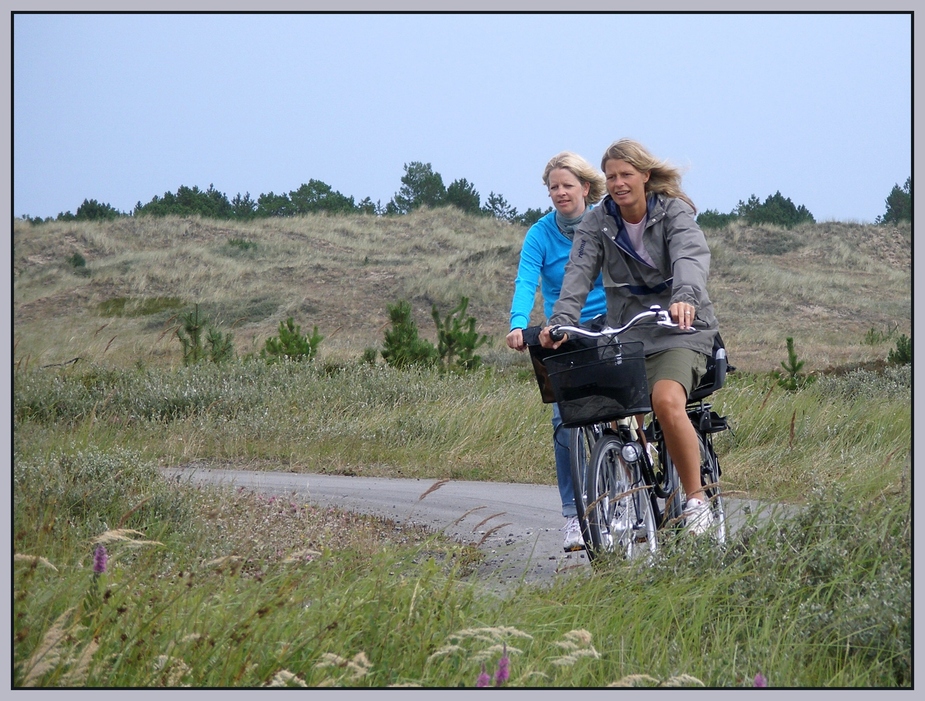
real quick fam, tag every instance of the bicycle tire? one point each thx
(620, 512)
(581, 445)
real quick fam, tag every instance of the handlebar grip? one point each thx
(555, 334)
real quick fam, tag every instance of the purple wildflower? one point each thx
(760, 680)
(504, 670)
(483, 680)
(100, 556)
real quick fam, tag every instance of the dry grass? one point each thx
(824, 284)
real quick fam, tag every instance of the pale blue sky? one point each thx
(120, 108)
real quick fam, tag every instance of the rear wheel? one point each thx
(619, 511)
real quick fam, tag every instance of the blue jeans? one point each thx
(563, 463)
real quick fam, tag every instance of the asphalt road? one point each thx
(517, 525)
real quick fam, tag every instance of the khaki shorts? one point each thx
(682, 365)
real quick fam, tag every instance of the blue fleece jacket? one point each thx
(543, 257)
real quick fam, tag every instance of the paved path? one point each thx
(517, 525)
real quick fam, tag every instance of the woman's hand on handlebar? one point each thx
(546, 339)
(683, 315)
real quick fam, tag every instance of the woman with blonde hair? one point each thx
(645, 240)
(573, 185)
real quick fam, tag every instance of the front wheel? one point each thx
(619, 510)
(581, 442)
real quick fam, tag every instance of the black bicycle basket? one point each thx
(601, 383)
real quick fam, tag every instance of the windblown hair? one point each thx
(581, 169)
(664, 178)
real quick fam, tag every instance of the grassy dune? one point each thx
(826, 284)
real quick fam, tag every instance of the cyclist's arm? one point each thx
(689, 254)
(525, 284)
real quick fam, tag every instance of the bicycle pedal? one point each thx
(574, 548)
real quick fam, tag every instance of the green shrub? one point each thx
(794, 379)
(291, 343)
(898, 204)
(242, 245)
(874, 337)
(902, 353)
(403, 346)
(216, 347)
(457, 338)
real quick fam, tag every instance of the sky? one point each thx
(120, 108)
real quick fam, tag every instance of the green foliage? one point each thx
(242, 245)
(403, 346)
(188, 201)
(875, 337)
(457, 339)
(713, 219)
(367, 206)
(463, 195)
(132, 307)
(316, 196)
(79, 265)
(776, 209)
(902, 354)
(898, 204)
(421, 186)
(532, 216)
(291, 344)
(496, 206)
(216, 347)
(793, 380)
(243, 208)
(91, 210)
(273, 205)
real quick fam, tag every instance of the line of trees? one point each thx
(422, 186)
(780, 210)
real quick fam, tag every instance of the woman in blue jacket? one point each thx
(574, 185)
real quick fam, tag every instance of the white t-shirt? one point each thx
(635, 233)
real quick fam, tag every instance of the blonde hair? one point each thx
(664, 178)
(581, 169)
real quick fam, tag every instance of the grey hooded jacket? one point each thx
(679, 250)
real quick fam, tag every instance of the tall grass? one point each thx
(219, 588)
(374, 420)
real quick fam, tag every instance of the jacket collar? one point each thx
(610, 207)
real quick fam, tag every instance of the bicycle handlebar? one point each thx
(655, 312)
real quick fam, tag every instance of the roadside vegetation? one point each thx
(122, 578)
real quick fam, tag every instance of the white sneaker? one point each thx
(573, 539)
(697, 516)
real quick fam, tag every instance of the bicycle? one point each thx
(623, 496)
